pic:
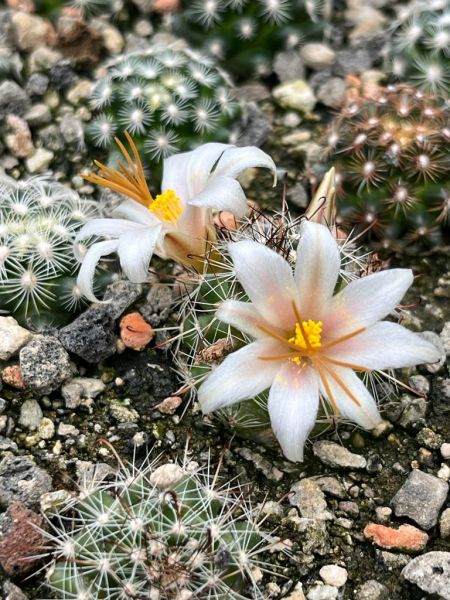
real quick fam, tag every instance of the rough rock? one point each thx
(21, 480)
(413, 410)
(254, 129)
(30, 414)
(12, 337)
(431, 573)
(12, 592)
(334, 455)
(444, 524)
(296, 95)
(352, 61)
(39, 160)
(21, 540)
(45, 364)
(12, 375)
(31, 31)
(91, 336)
(18, 139)
(332, 93)
(288, 66)
(135, 332)
(317, 56)
(307, 496)
(372, 590)
(13, 100)
(81, 391)
(166, 476)
(322, 592)
(420, 498)
(334, 575)
(407, 537)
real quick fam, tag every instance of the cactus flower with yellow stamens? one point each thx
(178, 222)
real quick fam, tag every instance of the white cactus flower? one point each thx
(308, 341)
(178, 223)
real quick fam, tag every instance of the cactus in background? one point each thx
(169, 99)
(420, 52)
(169, 533)
(392, 158)
(246, 34)
(40, 219)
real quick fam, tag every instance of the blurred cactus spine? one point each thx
(246, 34)
(170, 533)
(40, 219)
(392, 158)
(420, 52)
(169, 98)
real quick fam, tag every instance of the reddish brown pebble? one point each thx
(21, 540)
(12, 376)
(165, 6)
(135, 332)
(169, 405)
(407, 537)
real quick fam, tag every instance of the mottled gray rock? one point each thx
(445, 337)
(288, 66)
(444, 524)
(254, 128)
(37, 84)
(334, 455)
(352, 61)
(39, 114)
(21, 480)
(45, 364)
(12, 592)
(413, 411)
(421, 498)
(372, 590)
(79, 389)
(307, 496)
(332, 93)
(72, 130)
(13, 99)
(92, 335)
(12, 337)
(431, 573)
(322, 592)
(30, 414)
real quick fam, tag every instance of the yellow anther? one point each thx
(313, 333)
(167, 207)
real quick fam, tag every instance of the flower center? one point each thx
(167, 207)
(307, 336)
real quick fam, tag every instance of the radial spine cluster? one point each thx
(168, 98)
(40, 219)
(246, 34)
(391, 155)
(167, 533)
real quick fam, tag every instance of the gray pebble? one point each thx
(352, 61)
(22, 480)
(372, 590)
(37, 84)
(288, 66)
(45, 364)
(421, 498)
(13, 99)
(332, 93)
(30, 415)
(431, 573)
(334, 455)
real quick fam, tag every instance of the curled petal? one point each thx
(268, 281)
(293, 405)
(222, 193)
(241, 376)
(135, 252)
(385, 346)
(367, 300)
(236, 160)
(347, 392)
(86, 274)
(316, 269)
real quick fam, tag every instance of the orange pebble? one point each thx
(165, 6)
(12, 375)
(135, 332)
(407, 537)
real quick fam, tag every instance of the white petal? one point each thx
(106, 227)
(222, 193)
(268, 281)
(188, 172)
(351, 396)
(385, 346)
(316, 269)
(365, 301)
(87, 270)
(133, 211)
(135, 252)
(241, 376)
(293, 405)
(236, 160)
(241, 315)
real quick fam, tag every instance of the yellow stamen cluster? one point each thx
(167, 207)
(312, 330)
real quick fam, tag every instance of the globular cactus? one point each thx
(392, 158)
(168, 533)
(169, 98)
(246, 34)
(420, 48)
(40, 219)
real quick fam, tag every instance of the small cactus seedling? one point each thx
(420, 53)
(392, 157)
(40, 220)
(169, 99)
(246, 34)
(169, 533)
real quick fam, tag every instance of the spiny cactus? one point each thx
(246, 34)
(392, 158)
(169, 98)
(170, 533)
(420, 53)
(40, 219)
